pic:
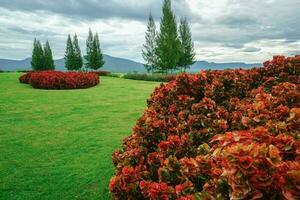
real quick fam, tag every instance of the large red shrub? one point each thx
(63, 80)
(231, 134)
(25, 78)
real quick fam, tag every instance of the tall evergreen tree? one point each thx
(37, 62)
(94, 57)
(148, 52)
(168, 44)
(78, 62)
(89, 49)
(98, 56)
(187, 54)
(69, 54)
(48, 58)
(34, 57)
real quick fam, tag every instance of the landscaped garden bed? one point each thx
(57, 80)
(231, 134)
(25, 78)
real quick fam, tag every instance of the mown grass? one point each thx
(58, 144)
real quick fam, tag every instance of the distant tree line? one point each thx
(171, 48)
(42, 58)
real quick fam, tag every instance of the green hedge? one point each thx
(150, 77)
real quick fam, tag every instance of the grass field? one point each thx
(58, 144)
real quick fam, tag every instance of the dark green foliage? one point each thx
(48, 58)
(102, 73)
(150, 77)
(37, 62)
(78, 62)
(69, 54)
(73, 58)
(89, 49)
(42, 59)
(115, 75)
(97, 54)
(168, 44)
(94, 55)
(148, 52)
(187, 54)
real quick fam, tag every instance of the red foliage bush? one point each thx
(25, 78)
(231, 134)
(63, 80)
(102, 73)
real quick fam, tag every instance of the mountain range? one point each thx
(115, 64)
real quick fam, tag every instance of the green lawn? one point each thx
(58, 144)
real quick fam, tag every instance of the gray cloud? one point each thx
(239, 21)
(88, 9)
(40, 33)
(251, 49)
(95, 9)
(222, 29)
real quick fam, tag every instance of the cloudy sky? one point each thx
(223, 30)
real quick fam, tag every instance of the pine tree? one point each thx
(78, 62)
(69, 54)
(148, 52)
(89, 49)
(48, 58)
(98, 59)
(37, 62)
(168, 44)
(34, 57)
(94, 55)
(187, 54)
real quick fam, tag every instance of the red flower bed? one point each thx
(25, 78)
(63, 80)
(231, 134)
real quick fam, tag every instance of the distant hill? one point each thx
(115, 64)
(204, 65)
(112, 64)
(12, 65)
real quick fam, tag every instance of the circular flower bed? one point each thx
(60, 80)
(231, 134)
(25, 78)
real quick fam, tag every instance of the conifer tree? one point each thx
(148, 51)
(69, 54)
(89, 49)
(168, 44)
(187, 54)
(37, 62)
(48, 58)
(98, 59)
(78, 62)
(94, 55)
